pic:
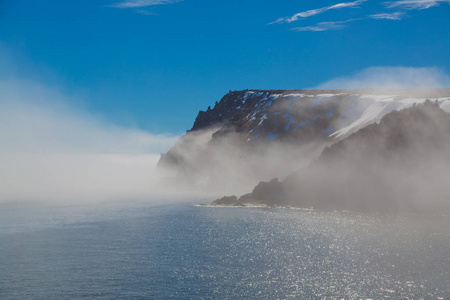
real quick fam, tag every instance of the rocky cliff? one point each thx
(255, 135)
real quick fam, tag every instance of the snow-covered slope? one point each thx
(380, 106)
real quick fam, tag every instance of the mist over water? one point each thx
(53, 151)
(228, 164)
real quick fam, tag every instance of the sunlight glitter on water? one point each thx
(184, 251)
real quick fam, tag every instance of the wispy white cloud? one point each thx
(389, 16)
(313, 12)
(142, 3)
(324, 26)
(415, 4)
(145, 12)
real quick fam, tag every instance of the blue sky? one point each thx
(153, 64)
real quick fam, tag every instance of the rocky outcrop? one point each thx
(265, 193)
(227, 201)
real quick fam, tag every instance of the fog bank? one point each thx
(389, 77)
(52, 151)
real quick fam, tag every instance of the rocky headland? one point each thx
(343, 145)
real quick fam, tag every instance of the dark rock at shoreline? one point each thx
(269, 193)
(226, 201)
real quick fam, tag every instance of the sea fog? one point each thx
(55, 151)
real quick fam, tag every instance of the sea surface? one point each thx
(182, 251)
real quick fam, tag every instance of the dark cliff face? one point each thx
(288, 112)
(400, 164)
(230, 109)
(265, 116)
(249, 136)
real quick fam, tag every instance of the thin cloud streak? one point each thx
(142, 3)
(388, 16)
(415, 4)
(324, 26)
(313, 12)
(145, 12)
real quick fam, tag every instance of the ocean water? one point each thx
(183, 251)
